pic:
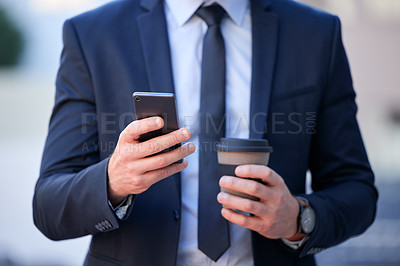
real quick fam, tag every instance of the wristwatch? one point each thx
(306, 218)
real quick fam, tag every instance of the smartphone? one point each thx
(148, 104)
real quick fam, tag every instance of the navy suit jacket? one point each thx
(302, 101)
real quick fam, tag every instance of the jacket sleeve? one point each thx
(344, 196)
(70, 197)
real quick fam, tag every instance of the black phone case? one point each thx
(148, 104)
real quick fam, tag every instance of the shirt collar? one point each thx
(184, 10)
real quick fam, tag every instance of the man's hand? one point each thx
(275, 215)
(131, 171)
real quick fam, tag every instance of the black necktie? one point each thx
(213, 231)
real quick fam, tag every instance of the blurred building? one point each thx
(41, 21)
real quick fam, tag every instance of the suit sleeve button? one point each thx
(108, 223)
(99, 227)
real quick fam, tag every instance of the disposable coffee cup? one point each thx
(234, 152)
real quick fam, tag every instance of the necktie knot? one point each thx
(212, 15)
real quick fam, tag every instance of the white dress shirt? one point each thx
(186, 32)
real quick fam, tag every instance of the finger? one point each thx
(251, 222)
(161, 143)
(164, 159)
(155, 176)
(242, 204)
(247, 186)
(139, 127)
(266, 174)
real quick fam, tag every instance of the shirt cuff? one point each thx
(295, 244)
(122, 208)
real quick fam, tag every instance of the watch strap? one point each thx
(303, 203)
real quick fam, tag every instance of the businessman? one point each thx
(261, 69)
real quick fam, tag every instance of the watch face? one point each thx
(308, 220)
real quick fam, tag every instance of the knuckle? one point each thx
(132, 168)
(161, 161)
(175, 168)
(151, 146)
(182, 151)
(178, 167)
(249, 206)
(228, 215)
(138, 183)
(163, 173)
(244, 221)
(255, 188)
(175, 138)
(137, 172)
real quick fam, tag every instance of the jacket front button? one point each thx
(176, 214)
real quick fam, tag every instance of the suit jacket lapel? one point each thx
(154, 37)
(265, 37)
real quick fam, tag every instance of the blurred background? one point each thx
(30, 46)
